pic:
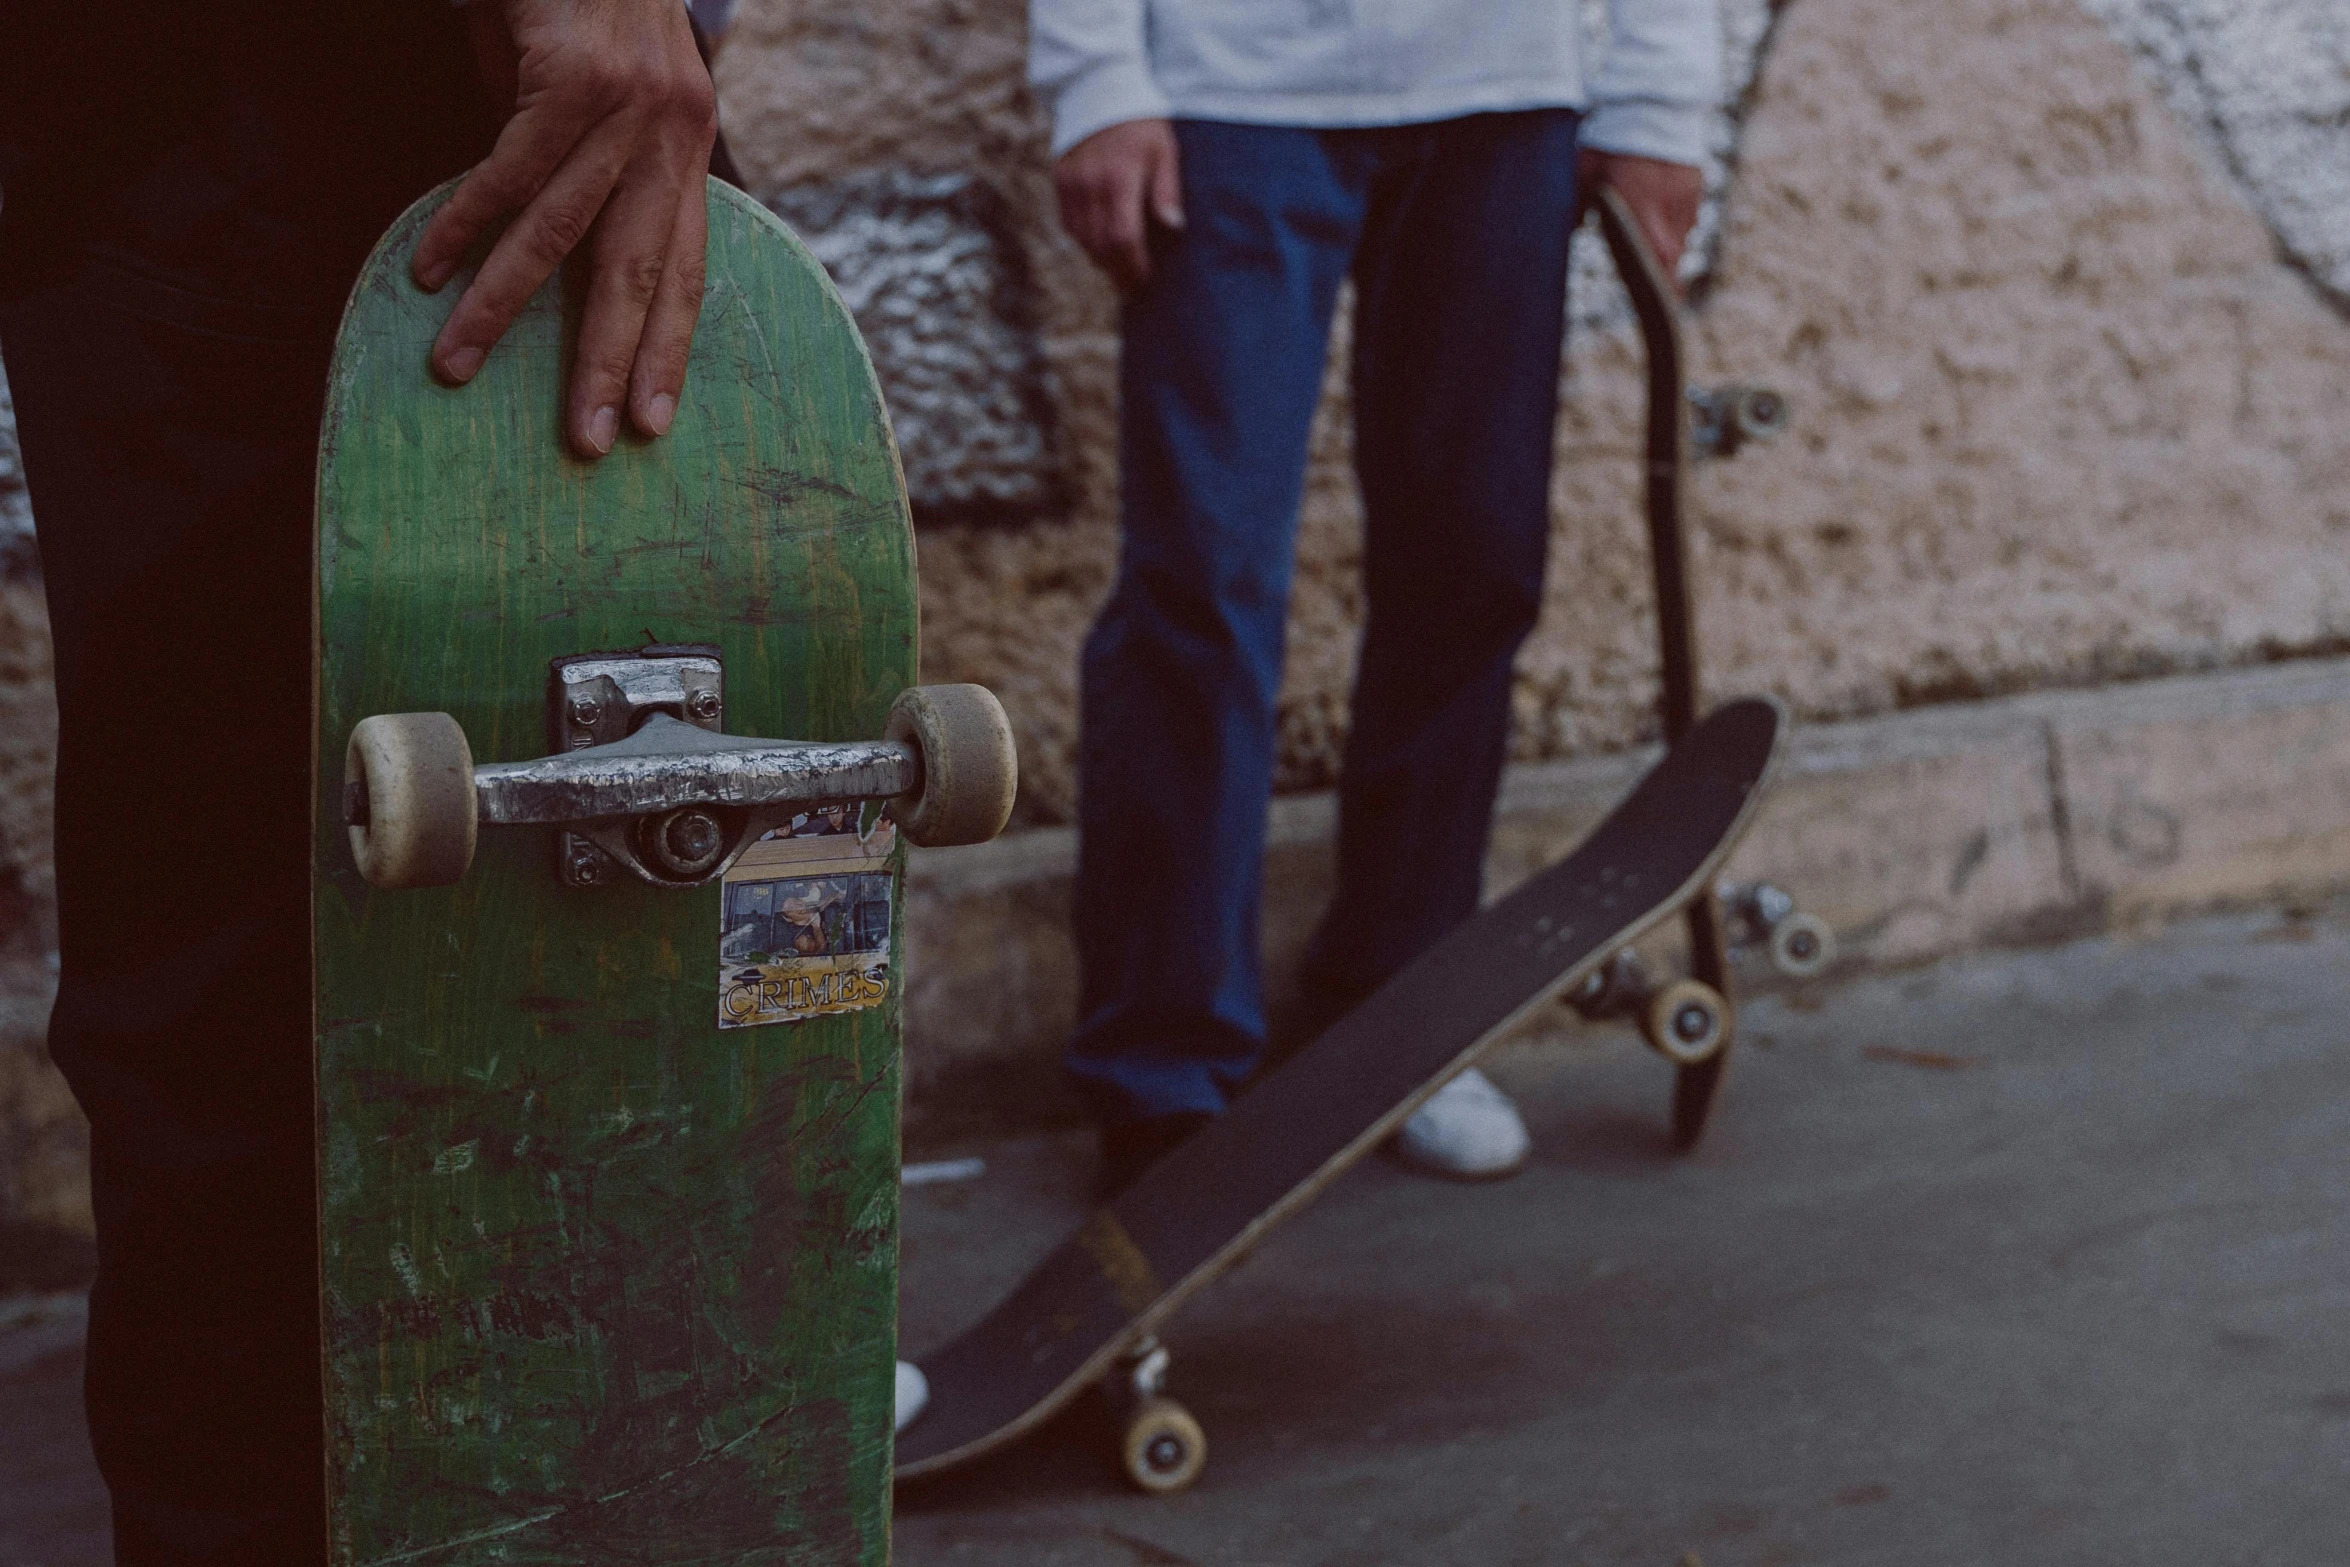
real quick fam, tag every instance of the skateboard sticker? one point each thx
(804, 928)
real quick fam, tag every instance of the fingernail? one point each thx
(659, 412)
(604, 429)
(459, 364)
(432, 277)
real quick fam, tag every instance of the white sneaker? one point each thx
(913, 1393)
(1469, 1130)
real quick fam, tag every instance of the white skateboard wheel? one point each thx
(1162, 1448)
(408, 799)
(970, 768)
(1802, 945)
(1686, 1022)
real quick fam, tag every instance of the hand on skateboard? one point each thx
(607, 1105)
(608, 142)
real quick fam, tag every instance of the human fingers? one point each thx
(1087, 204)
(1126, 229)
(1664, 198)
(645, 277)
(1109, 185)
(1166, 185)
(554, 223)
(1093, 211)
(1590, 174)
(599, 90)
(1664, 238)
(625, 261)
(528, 151)
(658, 379)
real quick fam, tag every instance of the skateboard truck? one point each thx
(1799, 945)
(1161, 1446)
(1686, 1021)
(642, 779)
(1725, 418)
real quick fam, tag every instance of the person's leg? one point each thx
(1460, 309)
(1221, 370)
(170, 469)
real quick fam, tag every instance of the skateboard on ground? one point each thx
(615, 766)
(1088, 1312)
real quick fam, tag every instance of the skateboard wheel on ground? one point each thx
(1162, 1447)
(1802, 945)
(408, 799)
(1686, 1022)
(970, 770)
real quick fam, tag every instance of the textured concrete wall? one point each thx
(28, 720)
(2067, 408)
(16, 511)
(44, 1188)
(2267, 82)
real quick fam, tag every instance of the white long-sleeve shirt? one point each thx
(1378, 62)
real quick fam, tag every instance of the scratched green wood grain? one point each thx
(602, 1282)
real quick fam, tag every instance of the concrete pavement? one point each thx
(2037, 1257)
(52, 1503)
(2033, 1257)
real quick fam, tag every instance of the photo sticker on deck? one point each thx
(804, 927)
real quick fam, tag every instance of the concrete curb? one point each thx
(1914, 834)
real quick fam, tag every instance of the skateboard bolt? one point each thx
(703, 705)
(585, 712)
(692, 834)
(583, 868)
(687, 843)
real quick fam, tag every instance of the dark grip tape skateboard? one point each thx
(609, 978)
(1798, 945)
(1088, 1311)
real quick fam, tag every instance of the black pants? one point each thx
(189, 192)
(169, 444)
(169, 436)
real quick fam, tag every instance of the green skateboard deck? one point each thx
(610, 1212)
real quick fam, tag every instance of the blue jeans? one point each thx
(1455, 234)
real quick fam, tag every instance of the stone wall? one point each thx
(2267, 84)
(44, 1188)
(16, 511)
(44, 1145)
(2067, 408)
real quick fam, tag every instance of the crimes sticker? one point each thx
(805, 921)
